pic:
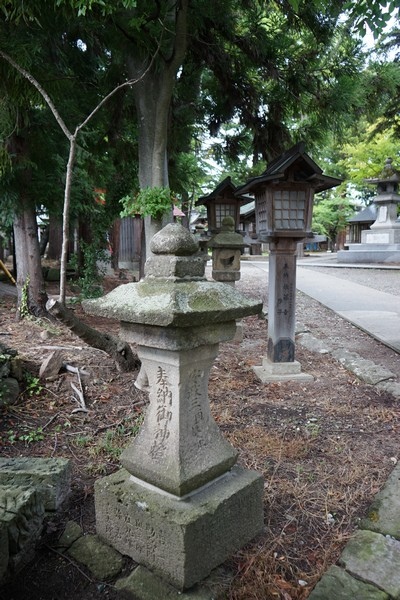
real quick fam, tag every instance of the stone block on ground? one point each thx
(375, 559)
(70, 534)
(314, 344)
(102, 560)
(145, 585)
(51, 476)
(392, 387)
(364, 369)
(383, 515)
(182, 540)
(337, 584)
(50, 367)
(21, 517)
(9, 391)
(4, 554)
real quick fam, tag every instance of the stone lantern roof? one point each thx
(388, 173)
(387, 184)
(174, 291)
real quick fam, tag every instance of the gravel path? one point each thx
(384, 280)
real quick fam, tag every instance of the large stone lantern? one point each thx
(386, 229)
(380, 243)
(284, 196)
(220, 203)
(180, 505)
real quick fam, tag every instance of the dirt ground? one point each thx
(324, 448)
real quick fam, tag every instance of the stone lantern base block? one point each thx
(181, 540)
(282, 371)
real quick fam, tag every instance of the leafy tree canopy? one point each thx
(330, 216)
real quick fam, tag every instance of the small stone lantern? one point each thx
(227, 247)
(180, 505)
(284, 199)
(222, 202)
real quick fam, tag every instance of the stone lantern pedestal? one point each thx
(180, 505)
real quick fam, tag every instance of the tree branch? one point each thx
(41, 91)
(120, 351)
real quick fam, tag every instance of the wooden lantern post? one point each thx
(284, 196)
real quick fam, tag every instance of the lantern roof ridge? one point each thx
(294, 158)
(225, 184)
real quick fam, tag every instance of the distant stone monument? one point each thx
(381, 243)
(180, 506)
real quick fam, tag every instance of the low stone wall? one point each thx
(28, 488)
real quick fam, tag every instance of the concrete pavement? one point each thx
(377, 313)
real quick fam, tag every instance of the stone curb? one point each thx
(369, 566)
(364, 369)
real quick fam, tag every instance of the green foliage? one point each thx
(29, 437)
(374, 14)
(12, 436)
(91, 274)
(24, 303)
(33, 386)
(150, 201)
(105, 7)
(113, 441)
(32, 435)
(363, 157)
(330, 216)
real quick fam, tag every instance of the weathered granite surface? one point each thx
(9, 386)
(102, 560)
(365, 369)
(337, 584)
(145, 585)
(51, 476)
(70, 534)
(180, 506)
(383, 515)
(21, 522)
(182, 540)
(374, 558)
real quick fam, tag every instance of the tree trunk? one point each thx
(32, 296)
(120, 351)
(55, 238)
(153, 96)
(114, 243)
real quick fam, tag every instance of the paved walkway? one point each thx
(377, 313)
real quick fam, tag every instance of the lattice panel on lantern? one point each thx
(289, 209)
(224, 210)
